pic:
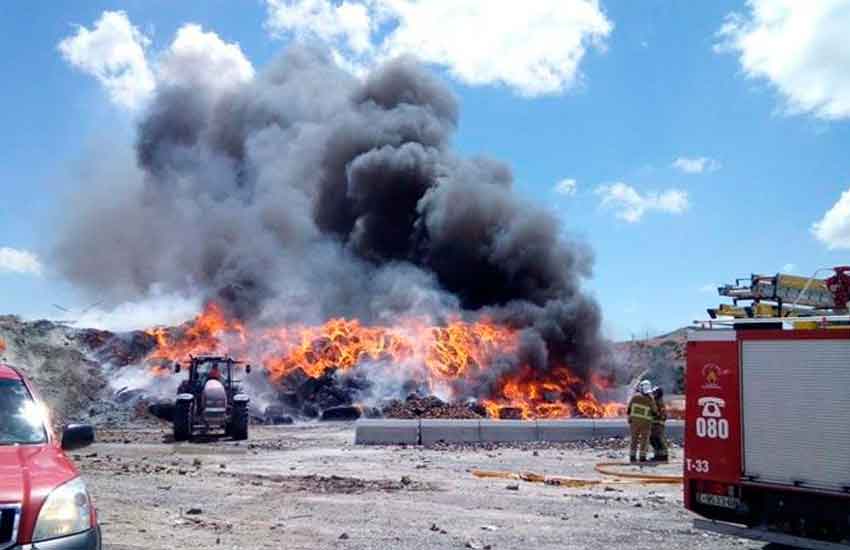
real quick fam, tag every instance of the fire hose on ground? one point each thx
(604, 468)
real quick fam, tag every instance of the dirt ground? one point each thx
(308, 486)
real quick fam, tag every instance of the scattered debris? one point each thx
(416, 406)
(510, 413)
(336, 484)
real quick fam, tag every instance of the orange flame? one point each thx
(438, 357)
(203, 335)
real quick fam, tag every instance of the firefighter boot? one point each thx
(632, 459)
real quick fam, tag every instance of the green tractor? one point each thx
(210, 400)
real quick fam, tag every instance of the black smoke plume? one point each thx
(306, 194)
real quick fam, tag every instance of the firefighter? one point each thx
(657, 439)
(641, 412)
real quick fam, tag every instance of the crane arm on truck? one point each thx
(784, 295)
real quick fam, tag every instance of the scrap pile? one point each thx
(416, 406)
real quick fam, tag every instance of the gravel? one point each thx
(303, 486)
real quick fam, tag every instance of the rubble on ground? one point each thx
(431, 407)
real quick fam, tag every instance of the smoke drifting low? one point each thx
(305, 194)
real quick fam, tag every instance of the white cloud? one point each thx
(696, 165)
(631, 205)
(350, 23)
(789, 268)
(117, 53)
(114, 52)
(566, 187)
(535, 49)
(834, 228)
(19, 261)
(799, 47)
(202, 58)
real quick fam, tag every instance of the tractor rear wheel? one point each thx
(183, 421)
(239, 423)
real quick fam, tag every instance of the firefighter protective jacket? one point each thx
(661, 415)
(642, 407)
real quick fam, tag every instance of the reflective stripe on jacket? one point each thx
(642, 407)
(641, 411)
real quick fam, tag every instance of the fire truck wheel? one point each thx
(182, 421)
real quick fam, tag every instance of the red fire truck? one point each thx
(767, 436)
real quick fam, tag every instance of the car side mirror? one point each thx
(248, 369)
(176, 367)
(77, 436)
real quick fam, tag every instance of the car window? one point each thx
(21, 417)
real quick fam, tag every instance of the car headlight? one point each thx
(66, 511)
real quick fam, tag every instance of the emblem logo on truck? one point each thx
(711, 373)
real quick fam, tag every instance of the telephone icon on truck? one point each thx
(711, 406)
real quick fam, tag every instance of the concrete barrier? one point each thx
(559, 431)
(619, 427)
(505, 431)
(386, 432)
(449, 431)
(610, 427)
(432, 431)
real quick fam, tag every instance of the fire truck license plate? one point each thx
(718, 500)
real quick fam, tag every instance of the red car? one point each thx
(44, 504)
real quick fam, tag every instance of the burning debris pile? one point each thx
(314, 369)
(108, 378)
(340, 243)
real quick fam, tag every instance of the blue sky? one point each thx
(766, 105)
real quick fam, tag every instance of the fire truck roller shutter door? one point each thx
(799, 441)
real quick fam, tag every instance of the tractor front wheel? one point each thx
(183, 421)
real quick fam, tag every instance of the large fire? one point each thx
(439, 358)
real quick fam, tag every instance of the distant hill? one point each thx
(661, 359)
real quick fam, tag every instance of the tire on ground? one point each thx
(183, 421)
(239, 422)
